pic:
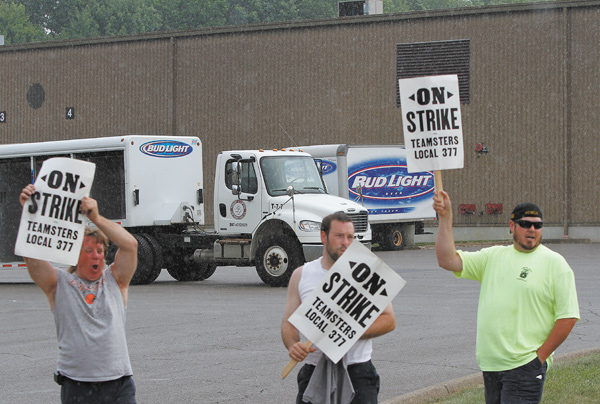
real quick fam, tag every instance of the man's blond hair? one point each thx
(100, 239)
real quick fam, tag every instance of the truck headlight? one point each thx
(309, 225)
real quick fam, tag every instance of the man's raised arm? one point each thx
(41, 272)
(445, 249)
(126, 258)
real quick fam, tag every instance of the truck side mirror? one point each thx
(319, 164)
(236, 178)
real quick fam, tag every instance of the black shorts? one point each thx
(119, 391)
(364, 377)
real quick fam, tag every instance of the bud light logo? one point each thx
(390, 183)
(166, 149)
(328, 167)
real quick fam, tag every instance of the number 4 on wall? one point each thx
(70, 113)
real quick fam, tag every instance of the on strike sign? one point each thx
(432, 123)
(356, 289)
(52, 226)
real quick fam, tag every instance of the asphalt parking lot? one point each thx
(218, 341)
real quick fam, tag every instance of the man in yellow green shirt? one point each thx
(527, 304)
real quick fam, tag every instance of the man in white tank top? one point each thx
(88, 303)
(337, 233)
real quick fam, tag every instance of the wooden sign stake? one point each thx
(288, 368)
(437, 174)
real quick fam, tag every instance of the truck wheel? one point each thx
(157, 256)
(276, 258)
(185, 270)
(394, 238)
(109, 256)
(149, 260)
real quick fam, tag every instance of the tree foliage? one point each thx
(186, 14)
(16, 26)
(32, 20)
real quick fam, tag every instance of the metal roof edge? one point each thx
(289, 25)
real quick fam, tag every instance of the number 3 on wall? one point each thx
(2, 116)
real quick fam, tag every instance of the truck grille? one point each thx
(360, 221)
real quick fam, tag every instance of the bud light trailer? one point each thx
(267, 204)
(376, 177)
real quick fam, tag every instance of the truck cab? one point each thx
(276, 199)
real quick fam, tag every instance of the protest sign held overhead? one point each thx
(432, 123)
(356, 289)
(52, 226)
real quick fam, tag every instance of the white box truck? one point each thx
(376, 177)
(268, 204)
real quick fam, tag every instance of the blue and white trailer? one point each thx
(376, 177)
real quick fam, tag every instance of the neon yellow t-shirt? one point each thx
(522, 295)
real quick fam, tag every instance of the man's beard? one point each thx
(526, 246)
(333, 254)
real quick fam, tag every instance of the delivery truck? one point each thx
(268, 204)
(376, 177)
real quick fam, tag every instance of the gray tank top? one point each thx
(90, 327)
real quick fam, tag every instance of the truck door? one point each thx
(239, 199)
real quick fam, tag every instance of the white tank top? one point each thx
(312, 274)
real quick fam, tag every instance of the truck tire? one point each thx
(157, 255)
(149, 260)
(109, 256)
(276, 258)
(394, 238)
(185, 270)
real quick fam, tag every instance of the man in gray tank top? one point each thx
(88, 302)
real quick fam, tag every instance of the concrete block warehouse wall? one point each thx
(533, 96)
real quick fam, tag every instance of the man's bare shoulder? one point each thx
(296, 275)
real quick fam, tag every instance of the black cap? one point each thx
(526, 209)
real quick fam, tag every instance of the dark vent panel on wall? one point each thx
(433, 59)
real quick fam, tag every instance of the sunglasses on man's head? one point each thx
(526, 224)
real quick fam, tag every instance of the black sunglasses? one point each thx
(526, 224)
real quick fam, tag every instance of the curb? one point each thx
(442, 390)
(438, 391)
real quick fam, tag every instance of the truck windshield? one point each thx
(298, 171)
